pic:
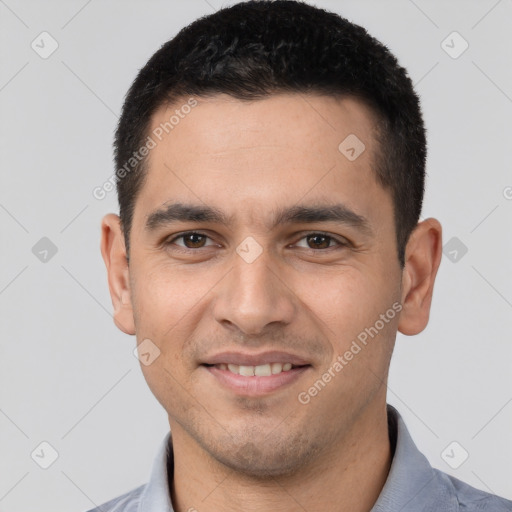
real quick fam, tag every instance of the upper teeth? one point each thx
(262, 370)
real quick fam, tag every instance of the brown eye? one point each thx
(190, 240)
(319, 241)
(194, 240)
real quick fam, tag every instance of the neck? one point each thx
(348, 478)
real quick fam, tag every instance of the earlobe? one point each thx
(422, 260)
(113, 251)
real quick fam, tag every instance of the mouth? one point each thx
(261, 370)
(256, 375)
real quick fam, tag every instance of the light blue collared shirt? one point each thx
(413, 485)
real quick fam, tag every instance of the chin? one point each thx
(266, 459)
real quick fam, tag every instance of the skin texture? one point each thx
(303, 296)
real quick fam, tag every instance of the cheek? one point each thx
(168, 303)
(347, 306)
(342, 299)
(170, 386)
(165, 297)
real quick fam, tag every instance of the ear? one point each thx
(113, 251)
(422, 259)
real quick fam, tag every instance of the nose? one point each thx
(254, 298)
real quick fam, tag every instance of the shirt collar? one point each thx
(411, 478)
(156, 496)
(410, 481)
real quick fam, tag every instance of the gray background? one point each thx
(69, 377)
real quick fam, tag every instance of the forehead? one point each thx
(221, 123)
(241, 155)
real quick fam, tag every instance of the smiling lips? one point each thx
(256, 374)
(262, 370)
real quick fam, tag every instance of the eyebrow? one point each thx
(306, 214)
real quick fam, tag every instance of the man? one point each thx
(270, 175)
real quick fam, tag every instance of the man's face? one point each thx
(252, 292)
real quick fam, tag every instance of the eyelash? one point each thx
(341, 243)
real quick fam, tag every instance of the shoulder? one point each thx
(469, 499)
(413, 484)
(127, 502)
